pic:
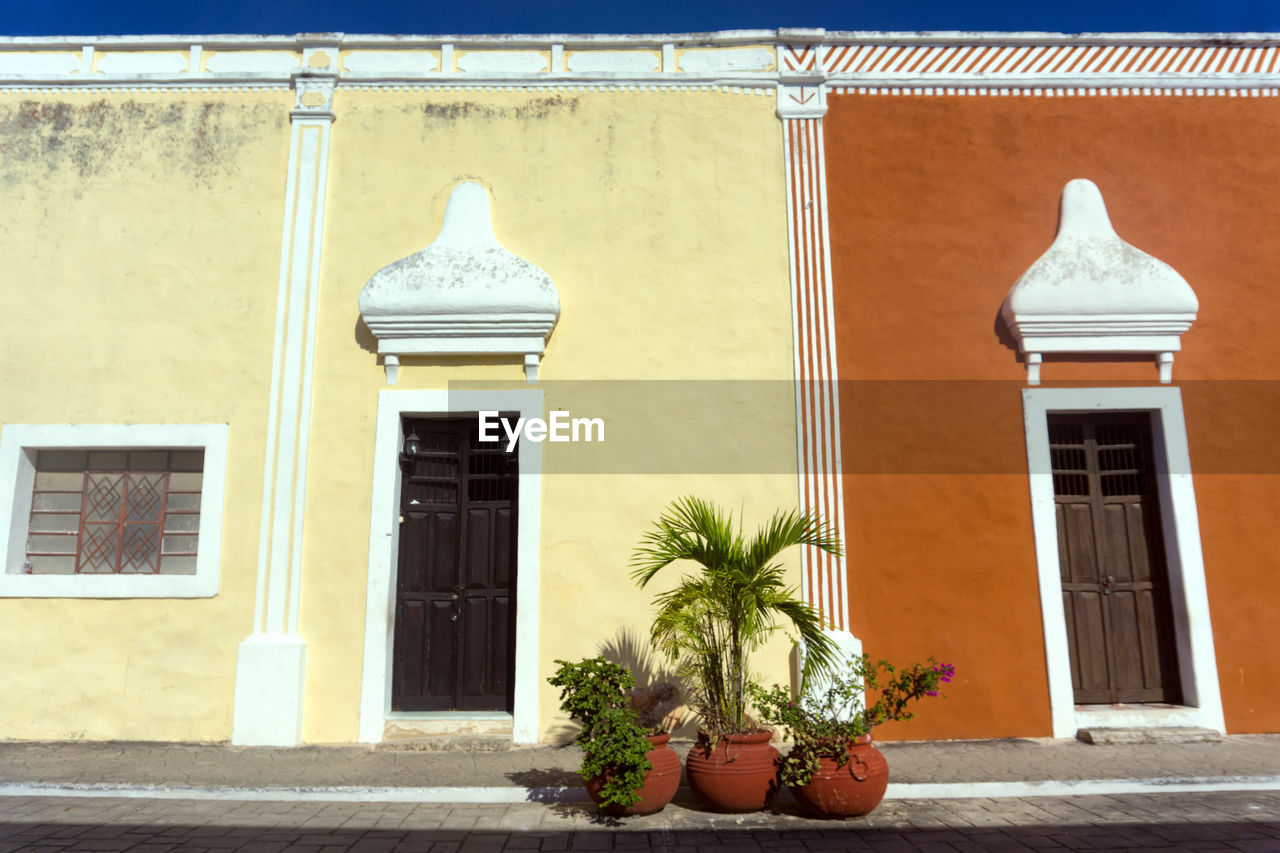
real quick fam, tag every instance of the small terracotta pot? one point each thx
(733, 773)
(853, 790)
(659, 786)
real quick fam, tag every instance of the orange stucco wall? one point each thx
(937, 205)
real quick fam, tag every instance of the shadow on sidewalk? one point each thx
(545, 786)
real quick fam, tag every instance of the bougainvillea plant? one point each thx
(593, 692)
(825, 721)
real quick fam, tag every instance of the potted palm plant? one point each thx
(628, 769)
(712, 621)
(832, 768)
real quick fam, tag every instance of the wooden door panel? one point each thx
(412, 574)
(1126, 651)
(1140, 669)
(479, 568)
(1089, 629)
(440, 658)
(474, 656)
(442, 551)
(1149, 632)
(500, 659)
(1115, 543)
(411, 634)
(456, 572)
(1081, 553)
(1114, 578)
(504, 536)
(484, 674)
(1139, 553)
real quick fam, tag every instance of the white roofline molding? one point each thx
(462, 295)
(752, 60)
(1092, 292)
(782, 35)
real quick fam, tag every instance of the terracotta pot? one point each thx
(733, 773)
(660, 783)
(849, 791)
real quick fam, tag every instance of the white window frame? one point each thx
(1202, 699)
(384, 550)
(19, 444)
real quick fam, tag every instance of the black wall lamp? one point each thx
(412, 445)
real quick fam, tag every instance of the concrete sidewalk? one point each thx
(992, 768)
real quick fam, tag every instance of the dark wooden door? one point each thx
(1115, 590)
(455, 584)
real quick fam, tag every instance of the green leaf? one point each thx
(710, 623)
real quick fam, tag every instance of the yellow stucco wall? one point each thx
(661, 218)
(140, 234)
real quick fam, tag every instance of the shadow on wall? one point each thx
(659, 695)
(1004, 336)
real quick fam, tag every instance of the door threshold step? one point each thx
(1171, 734)
(448, 743)
(456, 726)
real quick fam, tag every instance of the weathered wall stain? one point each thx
(533, 109)
(199, 138)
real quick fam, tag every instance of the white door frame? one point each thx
(1197, 665)
(379, 633)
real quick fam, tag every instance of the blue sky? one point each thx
(106, 17)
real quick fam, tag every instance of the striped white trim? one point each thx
(1055, 92)
(1136, 57)
(817, 397)
(999, 64)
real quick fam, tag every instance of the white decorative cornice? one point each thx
(1092, 292)
(314, 82)
(748, 61)
(803, 100)
(951, 63)
(462, 295)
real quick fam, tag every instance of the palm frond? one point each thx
(791, 528)
(713, 619)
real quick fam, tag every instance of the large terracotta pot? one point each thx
(733, 773)
(849, 791)
(660, 783)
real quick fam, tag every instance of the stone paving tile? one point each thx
(948, 761)
(1210, 821)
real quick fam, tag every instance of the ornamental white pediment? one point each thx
(462, 295)
(1092, 292)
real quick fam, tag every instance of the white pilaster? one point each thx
(271, 662)
(802, 102)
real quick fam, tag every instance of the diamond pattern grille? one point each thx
(140, 548)
(115, 511)
(102, 497)
(97, 548)
(145, 491)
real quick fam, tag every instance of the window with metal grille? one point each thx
(115, 511)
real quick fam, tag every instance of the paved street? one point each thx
(214, 797)
(1182, 821)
